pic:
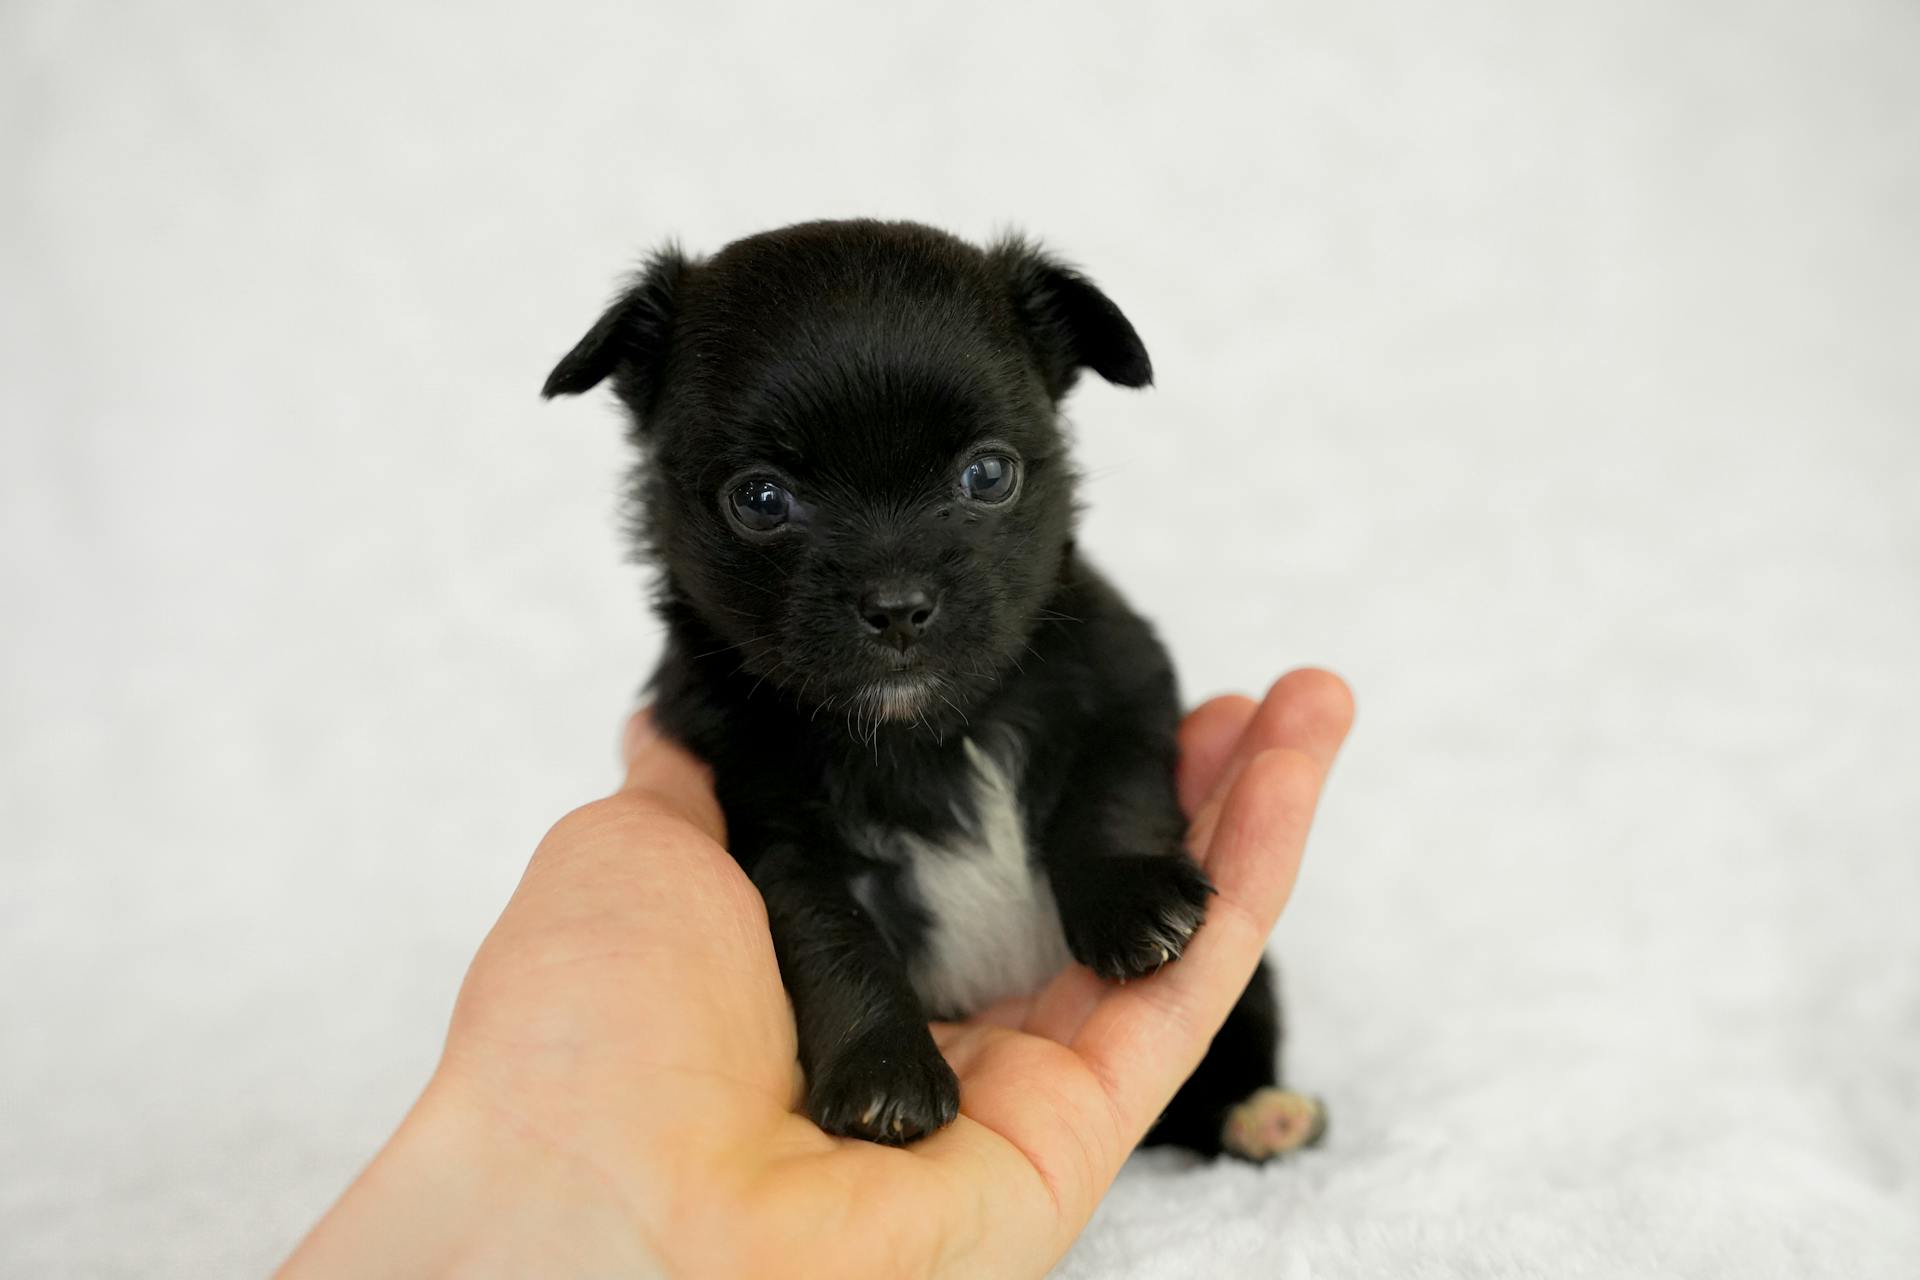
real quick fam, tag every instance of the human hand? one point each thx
(620, 1092)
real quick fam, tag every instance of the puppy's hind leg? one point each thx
(1233, 1102)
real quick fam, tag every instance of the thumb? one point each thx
(661, 771)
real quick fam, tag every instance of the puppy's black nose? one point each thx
(897, 614)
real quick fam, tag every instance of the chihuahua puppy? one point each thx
(944, 745)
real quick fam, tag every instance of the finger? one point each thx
(1306, 710)
(661, 770)
(1143, 1039)
(1207, 738)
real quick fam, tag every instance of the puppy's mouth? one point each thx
(903, 695)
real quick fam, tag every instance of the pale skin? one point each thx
(619, 1094)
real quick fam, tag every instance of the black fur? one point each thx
(846, 673)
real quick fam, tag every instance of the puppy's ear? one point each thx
(629, 342)
(1070, 324)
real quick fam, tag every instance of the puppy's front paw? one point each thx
(1129, 916)
(889, 1086)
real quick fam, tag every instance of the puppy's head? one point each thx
(857, 481)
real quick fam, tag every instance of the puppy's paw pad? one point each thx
(885, 1093)
(1273, 1122)
(1138, 915)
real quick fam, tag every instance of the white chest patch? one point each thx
(993, 929)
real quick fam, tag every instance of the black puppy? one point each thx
(943, 744)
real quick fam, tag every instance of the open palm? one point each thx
(624, 1043)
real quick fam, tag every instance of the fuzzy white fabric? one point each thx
(1549, 370)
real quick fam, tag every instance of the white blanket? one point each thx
(1552, 374)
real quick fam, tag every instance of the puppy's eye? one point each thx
(759, 506)
(990, 478)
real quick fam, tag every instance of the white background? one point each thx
(1549, 370)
